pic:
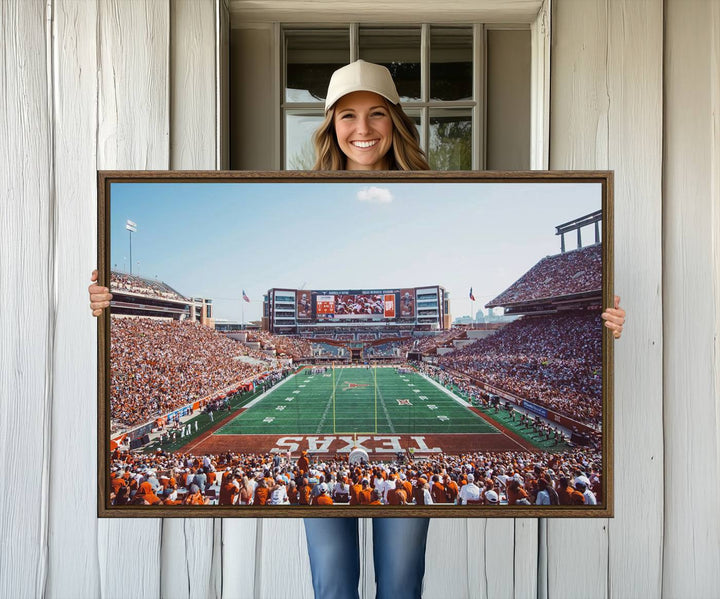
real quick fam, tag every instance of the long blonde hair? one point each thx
(404, 155)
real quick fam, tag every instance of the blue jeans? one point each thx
(398, 553)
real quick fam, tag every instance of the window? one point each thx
(467, 87)
(434, 68)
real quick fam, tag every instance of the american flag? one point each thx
(472, 297)
(245, 297)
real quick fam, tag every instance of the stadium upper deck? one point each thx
(138, 296)
(573, 278)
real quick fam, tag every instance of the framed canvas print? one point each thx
(365, 344)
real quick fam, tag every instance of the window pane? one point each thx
(398, 50)
(450, 140)
(451, 56)
(299, 150)
(415, 117)
(311, 58)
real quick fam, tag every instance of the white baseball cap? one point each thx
(491, 496)
(361, 76)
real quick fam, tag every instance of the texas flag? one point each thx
(245, 297)
(472, 297)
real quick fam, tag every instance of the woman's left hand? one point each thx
(615, 318)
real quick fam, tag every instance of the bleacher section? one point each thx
(553, 360)
(574, 273)
(141, 286)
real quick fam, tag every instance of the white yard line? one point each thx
(328, 406)
(459, 400)
(259, 398)
(384, 407)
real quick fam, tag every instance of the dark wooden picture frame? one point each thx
(545, 398)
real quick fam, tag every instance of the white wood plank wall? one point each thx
(73, 544)
(606, 112)
(692, 299)
(123, 85)
(27, 316)
(133, 132)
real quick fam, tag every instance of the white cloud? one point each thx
(375, 195)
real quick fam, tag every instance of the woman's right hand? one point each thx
(99, 296)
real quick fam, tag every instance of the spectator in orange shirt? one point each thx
(437, 491)
(365, 493)
(195, 497)
(292, 493)
(304, 492)
(567, 495)
(303, 464)
(261, 493)
(451, 489)
(516, 494)
(355, 489)
(147, 494)
(397, 496)
(407, 485)
(323, 498)
(375, 496)
(229, 489)
(116, 482)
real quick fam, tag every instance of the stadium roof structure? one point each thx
(150, 285)
(567, 278)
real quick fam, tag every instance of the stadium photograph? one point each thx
(347, 344)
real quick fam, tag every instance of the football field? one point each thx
(346, 401)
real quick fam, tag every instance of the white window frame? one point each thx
(476, 106)
(536, 16)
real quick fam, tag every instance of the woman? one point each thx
(365, 129)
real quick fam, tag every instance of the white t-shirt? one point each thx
(427, 496)
(389, 484)
(278, 496)
(469, 491)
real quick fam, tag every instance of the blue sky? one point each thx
(216, 239)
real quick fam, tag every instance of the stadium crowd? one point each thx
(158, 366)
(486, 478)
(552, 360)
(134, 284)
(429, 343)
(575, 271)
(293, 346)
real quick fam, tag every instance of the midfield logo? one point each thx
(349, 385)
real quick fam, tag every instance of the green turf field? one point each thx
(378, 401)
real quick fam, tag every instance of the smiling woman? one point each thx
(365, 128)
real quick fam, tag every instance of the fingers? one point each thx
(99, 304)
(99, 296)
(614, 316)
(614, 319)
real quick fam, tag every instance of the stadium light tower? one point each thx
(132, 228)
